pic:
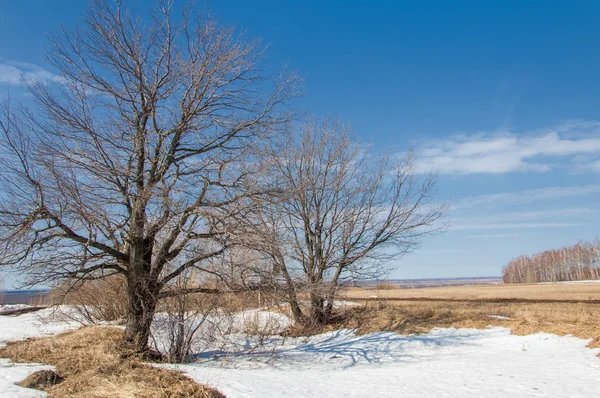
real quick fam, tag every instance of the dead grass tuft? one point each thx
(94, 364)
(41, 380)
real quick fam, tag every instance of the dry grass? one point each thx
(386, 285)
(589, 291)
(94, 364)
(407, 316)
(414, 317)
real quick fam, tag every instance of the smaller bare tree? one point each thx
(341, 214)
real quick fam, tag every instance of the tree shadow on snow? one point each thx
(343, 349)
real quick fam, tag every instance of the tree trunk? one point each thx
(296, 311)
(142, 292)
(291, 293)
(141, 308)
(318, 309)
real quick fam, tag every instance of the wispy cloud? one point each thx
(521, 216)
(19, 73)
(490, 236)
(513, 226)
(507, 152)
(563, 217)
(525, 196)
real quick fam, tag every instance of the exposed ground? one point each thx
(92, 363)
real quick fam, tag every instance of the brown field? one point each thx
(531, 309)
(584, 291)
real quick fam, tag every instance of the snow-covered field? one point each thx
(446, 362)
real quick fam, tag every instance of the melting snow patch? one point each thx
(12, 307)
(45, 322)
(570, 282)
(41, 323)
(11, 373)
(499, 317)
(446, 362)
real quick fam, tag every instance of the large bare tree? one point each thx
(138, 161)
(341, 213)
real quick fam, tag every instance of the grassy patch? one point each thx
(582, 292)
(93, 363)
(580, 320)
(416, 317)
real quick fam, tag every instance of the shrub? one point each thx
(102, 300)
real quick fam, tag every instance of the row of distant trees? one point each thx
(578, 262)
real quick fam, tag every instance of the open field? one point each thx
(416, 317)
(560, 309)
(375, 348)
(542, 292)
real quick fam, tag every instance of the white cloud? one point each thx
(488, 217)
(506, 152)
(513, 226)
(522, 216)
(18, 73)
(525, 196)
(552, 218)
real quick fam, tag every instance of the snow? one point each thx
(502, 317)
(12, 307)
(13, 373)
(220, 332)
(446, 362)
(261, 319)
(570, 282)
(45, 322)
(35, 324)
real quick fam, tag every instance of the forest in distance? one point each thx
(572, 263)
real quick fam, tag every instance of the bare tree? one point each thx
(342, 214)
(138, 162)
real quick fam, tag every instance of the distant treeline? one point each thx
(578, 262)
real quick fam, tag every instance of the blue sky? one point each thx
(501, 97)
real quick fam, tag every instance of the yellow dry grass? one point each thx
(94, 364)
(583, 291)
(394, 310)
